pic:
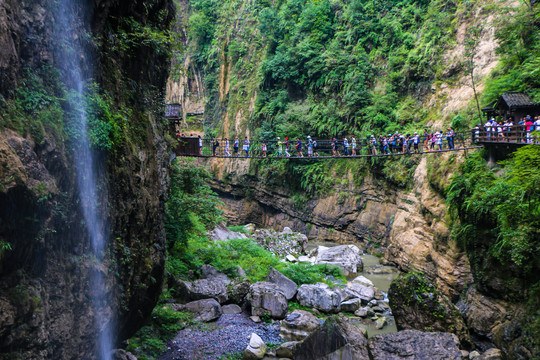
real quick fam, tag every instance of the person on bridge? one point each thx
(450, 138)
(215, 145)
(345, 146)
(537, 124)
(299, 148)
(227, 153)
(236, 146)
(287, 147)
(426, 140)
(353, 145)
(263, 148)
(279, 147)
(373, 145)
(315, 153)
(334, 150)
(309, 146)
(246, 146)
(529, 128)
(416, 141)
(200, 145)
(439, 136)
(384, 143)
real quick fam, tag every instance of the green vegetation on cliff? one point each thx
(328, 68)
(497, 213)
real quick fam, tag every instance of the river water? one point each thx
(380, 281)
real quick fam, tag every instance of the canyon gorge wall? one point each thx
(45, 302)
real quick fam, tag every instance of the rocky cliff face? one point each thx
(45, 310)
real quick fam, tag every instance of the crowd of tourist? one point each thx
(506, 130)
(385, 144)
(396, 143)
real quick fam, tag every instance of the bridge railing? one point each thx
(517, 134)
(191, 146)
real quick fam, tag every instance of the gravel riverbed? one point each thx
(214, 340)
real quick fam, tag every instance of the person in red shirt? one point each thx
(529, 128)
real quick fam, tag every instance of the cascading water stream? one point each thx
(73, 62)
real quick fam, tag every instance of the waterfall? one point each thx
(74, 62)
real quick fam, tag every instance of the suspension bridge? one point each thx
(506, 141)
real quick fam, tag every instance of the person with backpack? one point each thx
(279, 147)
(353, 145)
(373, 144)
(333, 144)
(315, 153)
(309, 146)
(287, 147)
(345, 146)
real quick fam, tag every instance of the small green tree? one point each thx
(472, 39)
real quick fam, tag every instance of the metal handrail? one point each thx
(364, 147)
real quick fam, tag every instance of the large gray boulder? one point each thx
(319, 296)
(358, 290)
(350, 305)
(335, 339)
(414, 344)
(201, 289)
(267, 299)
(221, 233)
(298, 325)
(238, 291)
(347, 257)
(204, 310)
(283, 283)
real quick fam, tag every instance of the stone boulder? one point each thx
(335, 339)
(362, 280)
(204, 310)
(298, 325)
(416, 304)
(357, 290)
(267, 299)
(221, 233)
(414, 344)
(213, 287)
(350, 305)
(319, 296)
(347, 257)
(283, 283)
(256, 348)
(238, 290)
(210, 272)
